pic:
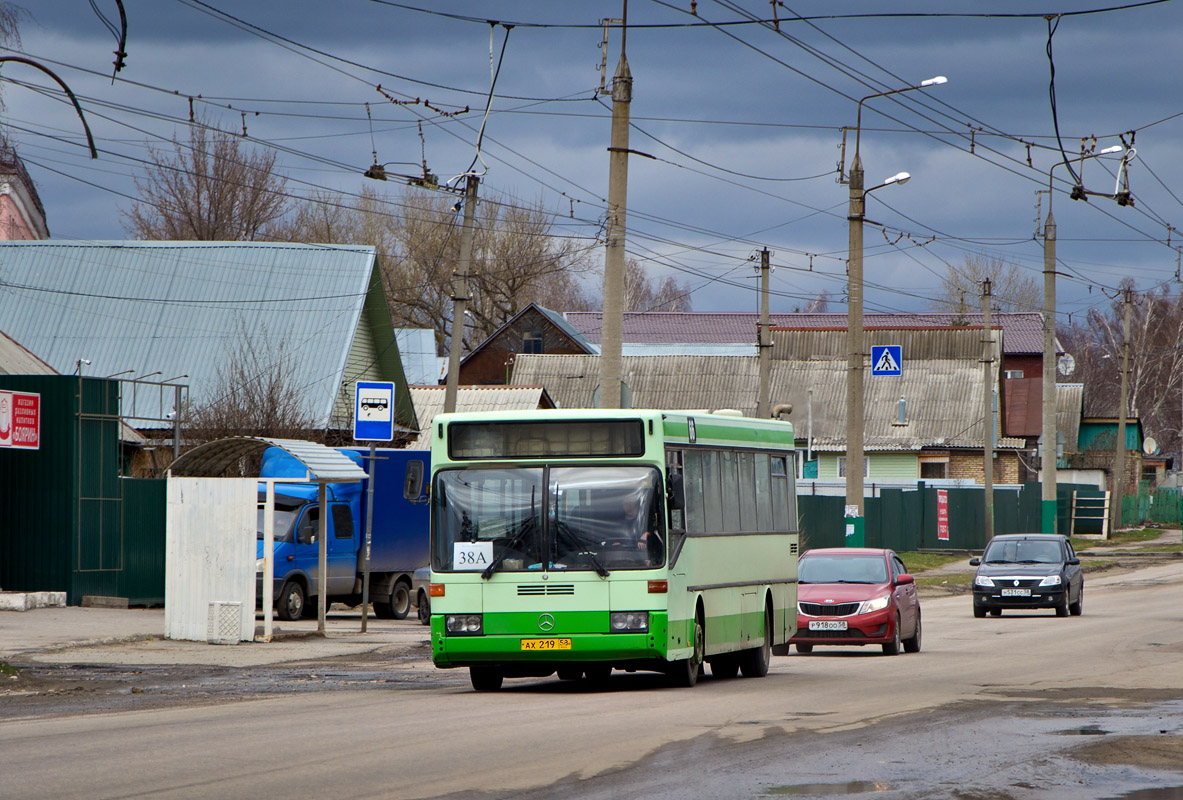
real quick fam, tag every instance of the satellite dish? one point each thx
(1149, 446)
(1066, 365)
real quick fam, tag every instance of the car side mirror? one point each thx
(902, 580)
(1074, 561)
(413, 484)
(975, 561)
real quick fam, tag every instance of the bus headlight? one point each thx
(628, 622)
(464, 624)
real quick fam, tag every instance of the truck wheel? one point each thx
(290, 604)
(400, 600)
(424, 608)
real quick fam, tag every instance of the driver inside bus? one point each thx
(647, 538)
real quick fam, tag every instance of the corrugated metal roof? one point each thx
(1069, 410)
(213, 459)
(17, 360)
(429, 401)
(943, 396)
(1023, 330)
(916, 343)
(180, 308)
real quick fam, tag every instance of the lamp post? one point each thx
(854, 323)
(1048, 430)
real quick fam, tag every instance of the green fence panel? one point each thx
(145, 503)
(1166, 507)
(823, 522)
(899, 519)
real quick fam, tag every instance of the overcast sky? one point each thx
(744, 124)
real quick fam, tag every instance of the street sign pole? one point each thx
(373, 421)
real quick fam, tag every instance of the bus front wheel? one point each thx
(685, 672)
(485, 679)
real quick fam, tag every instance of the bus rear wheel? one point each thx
(754, 662)
(485, 679)
(685, 672)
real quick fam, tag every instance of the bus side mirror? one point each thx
(676, 492)
(413, 484)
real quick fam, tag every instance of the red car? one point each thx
(855, 596)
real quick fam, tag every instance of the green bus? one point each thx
(582, 541)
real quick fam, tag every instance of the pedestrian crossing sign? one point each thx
(887, 360)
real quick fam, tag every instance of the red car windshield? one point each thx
(842, 569)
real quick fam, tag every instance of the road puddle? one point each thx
(822, 789)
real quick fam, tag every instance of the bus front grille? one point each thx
(542, 589)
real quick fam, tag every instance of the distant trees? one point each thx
(642, 294)
(1013, 288)
(254, 395)
(213, 187)
(1155, 380)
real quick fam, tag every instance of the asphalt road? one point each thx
(1011, 706)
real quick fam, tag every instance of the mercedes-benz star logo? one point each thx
(545, 622)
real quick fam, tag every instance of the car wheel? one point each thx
(979, 611)
(892, 648)
(996, 612)
(1077, 608)
(912, 643)
(753, 663)
(1062, 606)
(685, 672)
(485, 679)
(291, 601)
(424, 608)
(804, 648)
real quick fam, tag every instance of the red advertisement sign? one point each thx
(20, 420)
(942, 515)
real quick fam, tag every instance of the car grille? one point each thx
(1008, 583)
(541, 589)
(827, 609)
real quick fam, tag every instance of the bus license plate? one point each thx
(827, 624)
(1016, 592)
(546, 644)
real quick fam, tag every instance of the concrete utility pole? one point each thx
(988, 423)
(855, 345)
(612, 331)
(460, 293)
(1047, 509)
(763, 409)
(1119, 446)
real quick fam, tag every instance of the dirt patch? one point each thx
(1164, 751)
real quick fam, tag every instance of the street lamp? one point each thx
(854, 323)
(1048, 445)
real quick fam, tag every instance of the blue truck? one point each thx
(398, 544)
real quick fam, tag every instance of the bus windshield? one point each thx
(591, 518)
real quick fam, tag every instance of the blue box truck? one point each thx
(398, 544)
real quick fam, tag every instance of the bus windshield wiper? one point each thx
(562, 529)
(528, 526)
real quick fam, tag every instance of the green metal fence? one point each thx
(906, 519)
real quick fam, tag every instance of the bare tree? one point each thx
(253, 396)
(213, 187)
(1014, 289)
(642, 294)
(1156, 361)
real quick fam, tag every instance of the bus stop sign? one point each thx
(373, 411)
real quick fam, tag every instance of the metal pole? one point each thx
(988, 411)
(1119, 446)
(268, 598)
(612, 332)
(762, 405)
(1048, 460)
(460, 293)
(365, 581)
(322, 567)
(854, 359)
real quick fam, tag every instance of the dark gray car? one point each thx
(1028, 570)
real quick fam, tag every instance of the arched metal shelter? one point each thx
(325, 465)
